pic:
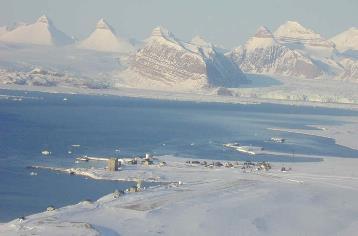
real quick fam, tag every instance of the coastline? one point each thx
(219, 195)
(345, 134)
(210, 198)
(176, 96)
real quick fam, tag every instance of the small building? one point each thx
(148, 156)
(50, 208)
(117, 193)
(133, 189)
(147, 162)
(162, 163)
(139, 184)
(218, 164)
(228, 165)
(113, 164)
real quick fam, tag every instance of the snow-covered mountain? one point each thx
(165, 62)
(350, 68)
(262, 53)
(311, 44)
(104, 38)
(347, 40)
(296, 51)
(296, 36)
(42, 32)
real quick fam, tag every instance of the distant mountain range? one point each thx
(293, 50)
(163, 61)
(42, 32)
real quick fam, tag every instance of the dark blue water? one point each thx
(102, 124)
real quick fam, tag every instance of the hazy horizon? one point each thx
(228, 24)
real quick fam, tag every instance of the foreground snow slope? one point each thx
(316, 198)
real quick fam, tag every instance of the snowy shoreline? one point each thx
(345, 135)
(213, 200)
(201, 96)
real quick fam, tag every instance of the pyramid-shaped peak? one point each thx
(44, 20)
(263, 32)
(103, 24)
(160, 31)
(293, 27)
(293, 23)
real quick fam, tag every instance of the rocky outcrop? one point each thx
(263, 54)
(165, 62)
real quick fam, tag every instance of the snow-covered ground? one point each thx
(309, 90)
(312, 199)
(345, 134)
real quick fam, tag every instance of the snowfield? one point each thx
(309, 90)
(345, 135)
(316, 198)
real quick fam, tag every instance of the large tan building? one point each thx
(113, 164)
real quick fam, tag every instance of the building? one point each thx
(113, 164)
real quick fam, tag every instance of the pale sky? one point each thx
(223, 22)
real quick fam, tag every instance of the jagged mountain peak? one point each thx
(162, 35)
(103, 24)
(262, 53)
(41, 32)
(162, 32)
(263, 38)
(105, 39)
(295, 36)
(44, 19)
(165, 62)
(263, 32)
(347, 40)
(295, 29)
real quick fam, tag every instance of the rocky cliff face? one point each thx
(165, 62)
(350, 69)
(264, 54)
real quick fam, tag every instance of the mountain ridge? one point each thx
(41, 32)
